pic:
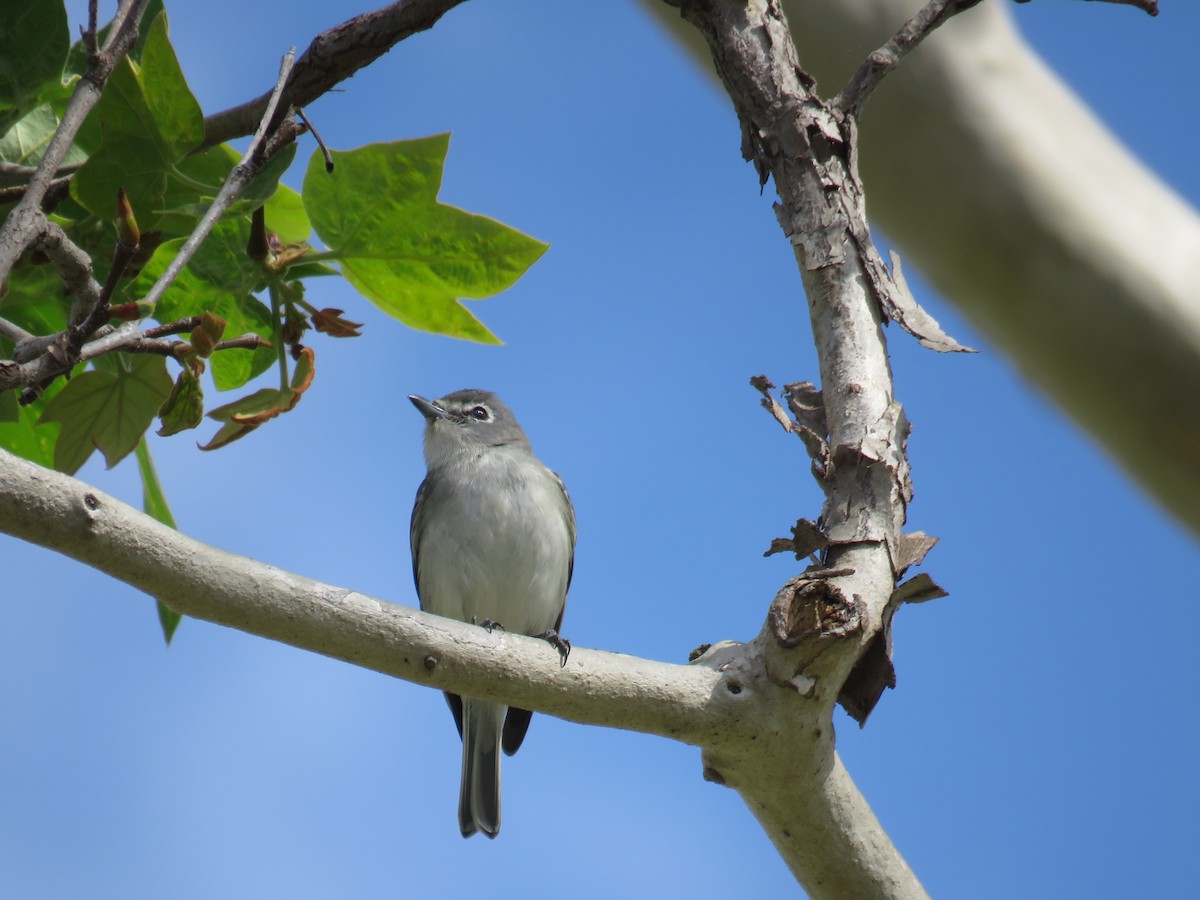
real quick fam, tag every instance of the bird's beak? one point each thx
(427, 408)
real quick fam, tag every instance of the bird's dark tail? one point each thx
(479, 793)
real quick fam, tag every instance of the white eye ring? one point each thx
(480, 413)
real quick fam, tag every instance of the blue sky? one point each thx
(1040, 743)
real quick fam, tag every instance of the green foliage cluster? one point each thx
(376, 216)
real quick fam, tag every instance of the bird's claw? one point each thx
(559, 643)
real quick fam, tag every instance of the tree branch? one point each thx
(21, 227)
(43, 358)
(241, 176)
(823, 623)
(596, 688)
(1024, 211)
(332, 57)
(753, 724)
(861, 85)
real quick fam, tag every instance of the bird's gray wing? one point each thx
(419, 510)
(418, 514)
(516, 723)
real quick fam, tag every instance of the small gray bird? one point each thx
(493, 542)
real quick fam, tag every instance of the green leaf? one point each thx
(286, 216)
(244, 415)
(27, 140)
(35, 299)
(26, 437)
(149, 120)
(77, 62)
(184, 408)
(77, 59)
(154, 503)
(33, 47)
(408, 254)
(107, 409)
(10, 410)
(219, 280)
(188, 198)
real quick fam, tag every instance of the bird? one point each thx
(493, 543)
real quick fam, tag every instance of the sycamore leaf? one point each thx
(331, 322)
(26, 141)
(188, 198)
(107, 409)
(149, 121)
(184, 406)
(413, 257)
(286, 216)
(218, 280)
(154, 503)
(245, 415)
(35, 299)
(33, 47)
(28, 437)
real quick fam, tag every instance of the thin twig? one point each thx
(176, 349)
(20, 228)
(854, 95)
(39, 371)
(15, 171)
(177, 327)
(16, 192)
(99, 313)
(333, 56)
(90, 33)
(14, 333)
(247, 341)
(317, 137)
(74, 268)
(241, 176)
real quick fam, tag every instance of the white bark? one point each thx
(764, 731)
(1022, 209)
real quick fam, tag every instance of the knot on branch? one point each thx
(810, 609)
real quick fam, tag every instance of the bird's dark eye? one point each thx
(480, 413)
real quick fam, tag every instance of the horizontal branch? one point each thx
(768, 737)
(596, 688)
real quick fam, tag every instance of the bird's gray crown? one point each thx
(470, 415)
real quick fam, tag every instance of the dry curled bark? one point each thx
(827, 635)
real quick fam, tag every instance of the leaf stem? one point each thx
(277, 333)
(154, 503)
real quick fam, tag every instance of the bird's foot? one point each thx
(488, 624)
(559, 643)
